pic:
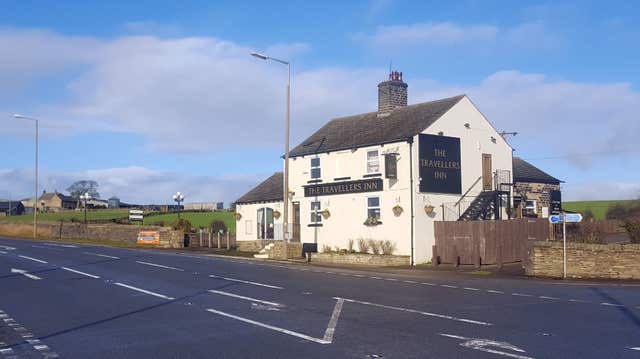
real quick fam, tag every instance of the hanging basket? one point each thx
(276, 214)
(428, 209)
(397, 210)
(326, 214)
(237, 215)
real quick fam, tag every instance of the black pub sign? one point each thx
(440, 170)
(327, 189)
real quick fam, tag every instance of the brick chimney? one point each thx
(391, 93)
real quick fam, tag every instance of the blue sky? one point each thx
(162, 94)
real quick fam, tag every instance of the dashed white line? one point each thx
(81, 273)
(494, 291)
(143, 291)
(391, 279)
(160, 266)
(635, 348)
(101, 255)
(521, 295)
(428, 314)
(8, 248)
(550, 298)
(33, 259)
(612, 304)
(3, 252)
(246, 282)
(427, 283)
(60, 245)
(410, 281)
(374, 277)
(472, 289)
(246, 298)
(448, 286)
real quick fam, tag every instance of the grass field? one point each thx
(599, 208)
(197, 219)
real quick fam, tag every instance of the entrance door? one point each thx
(295, 222)
(487, 177)
(265, 223)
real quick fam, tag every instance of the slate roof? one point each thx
(269, 190)
(49, 196)
(369, 129)
(524, 171)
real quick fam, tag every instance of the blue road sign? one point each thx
(567, 217)
(556, 218)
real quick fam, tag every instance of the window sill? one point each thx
(314, 225)
(372, 175)
(315, 181)
(342, 178)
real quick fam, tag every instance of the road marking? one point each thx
(391, 279)
(428, 314)
(3, 252)
(143, 291)
(580, 301)
(521, 295)
(612, 304)
(60, 245)
(635, 348)
(271, 327)
(494, 291)
(375, 277)
(25, 273)
(8, 248)
(449, 286)
(160, 265)
(81, 273)
(429, 284)
(333, 322)
(246, 282)
(246, 298)
(101, 255)
(32, 259)
(469, 288)
(482, 344)
(550, 298)
(410, 281)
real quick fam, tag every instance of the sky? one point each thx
(152, 97)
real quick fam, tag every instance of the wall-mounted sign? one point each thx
(148, 237)
(390, 166)
(136, 215)
(327, 189)
(556, 202)
(440, 170)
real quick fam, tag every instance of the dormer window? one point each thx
(315, 168)
(373, 162)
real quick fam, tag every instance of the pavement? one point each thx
(82, 301)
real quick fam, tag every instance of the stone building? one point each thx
(54, 201)
(536, 193)
(387, 175)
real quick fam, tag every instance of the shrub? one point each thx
(363, 245)
(588, 216)
(387, 247)
(182, 224)
(375, 246)
(326, 249)
(159, 223)
(350, 247)
(632, 227)
(218, 225)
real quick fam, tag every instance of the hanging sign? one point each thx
(439, 163)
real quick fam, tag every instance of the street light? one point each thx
(85, 196)
(285, 193)
(178, 197)
(35, 198)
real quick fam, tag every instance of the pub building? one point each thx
(387, 175)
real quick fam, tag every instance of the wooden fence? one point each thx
(487, 242)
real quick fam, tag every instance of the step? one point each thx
(261, 256)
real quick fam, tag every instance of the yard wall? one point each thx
(361, 259)
(612, 261)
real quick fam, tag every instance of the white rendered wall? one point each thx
(246, 227)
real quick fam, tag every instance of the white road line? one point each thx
(494, 291)
(246, 298)
(449, 286)
(246, 282)
(441, 316)
(375, 277)
(359, 275)
(485, 344)
(612, 304)
(101, 255)
(410, 281)
(271, 327)
(550, 298)
(333, 322)
(635, 348)
(160, 266)
(25, 273)
(81, 273)
(7, 248)
(60, 245)
(429, 284)
(143, 291)
(521, 295)
(3, 252)
(33, 259)
(580, 301)
(469, 288)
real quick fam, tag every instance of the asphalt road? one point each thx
(77, 301)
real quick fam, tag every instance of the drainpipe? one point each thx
(410, 140)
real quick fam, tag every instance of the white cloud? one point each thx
(599, 191)
(138, 185)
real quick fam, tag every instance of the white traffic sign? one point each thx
(566, 217)
(25, 273)
(555, 218)
(136, 215)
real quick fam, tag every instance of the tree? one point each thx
(79, 188)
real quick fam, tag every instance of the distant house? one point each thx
(113, 202)
(54, 201)
(11, 208)
(536, 193)
(202, 206)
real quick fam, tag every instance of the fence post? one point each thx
(476, 254)
(218, 240)
(434, 253)
(228, 244)
(209, 240)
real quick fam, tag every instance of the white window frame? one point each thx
(534, 207)
(312, 167)
(366, 203)
(367, 161)
(315, 213)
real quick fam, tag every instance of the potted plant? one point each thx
(276, 214)
(326, 214)
(428, 209)
(397, 210)
(237, 215)
(372, 222)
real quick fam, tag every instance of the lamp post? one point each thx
(178, 197)
(35, 198)
(85, 197)
(285, 193)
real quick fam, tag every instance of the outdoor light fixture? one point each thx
(85, 197)
(178, 198)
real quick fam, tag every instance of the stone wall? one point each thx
(169, 238)
(539, 192)
(614, 261)
(252, 246)
(361, 259)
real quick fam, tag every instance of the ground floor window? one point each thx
(373, 207)
(265, 223)
(316, 216)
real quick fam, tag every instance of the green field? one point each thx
(197, 219)
(599, 208)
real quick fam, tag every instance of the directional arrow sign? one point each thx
(572, 217)
(556, 218)
(25, 273)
